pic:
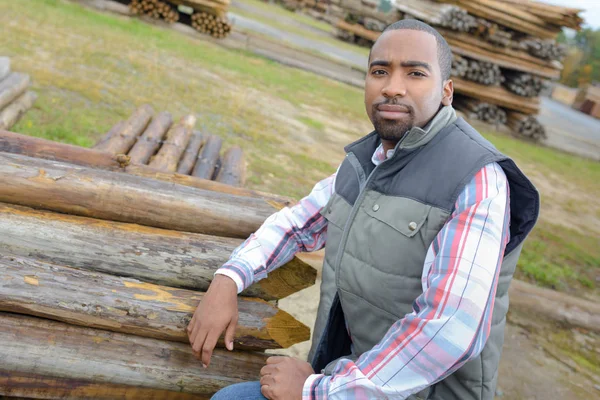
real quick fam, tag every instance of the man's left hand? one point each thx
(283, 378)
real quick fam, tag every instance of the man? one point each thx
(423, 224)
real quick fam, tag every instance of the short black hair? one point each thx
(444, 52)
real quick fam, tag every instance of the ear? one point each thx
(448, 93)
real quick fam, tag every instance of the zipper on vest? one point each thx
(353, 160)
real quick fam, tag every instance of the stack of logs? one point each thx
(153, 140)
(505, 50)
(490, 113)
(15, 98)
(214, 25)
(103, 265)
(155, 9)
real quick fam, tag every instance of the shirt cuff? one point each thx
(233, 275)
(316, 387)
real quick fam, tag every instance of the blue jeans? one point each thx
(240, 391)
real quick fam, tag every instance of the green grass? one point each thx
(312, 123)
(560, 258)
(301, 18)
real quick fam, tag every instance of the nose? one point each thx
(394, 87)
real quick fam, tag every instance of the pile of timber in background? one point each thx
(505, 50)
(15, 98)
(104, 263)
(154, 140)
(206, 16)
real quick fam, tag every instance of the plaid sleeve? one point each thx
(300, 228)
(451, 320)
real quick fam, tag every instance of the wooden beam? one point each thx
(174, 145)
(186, 165)
(33, 386)
(50, 348)
(497, 95)
(127, 305)
(121, 142)
(12, 87)
(46, 149)
(14, 111)
(233, 167)
(150, 140)
(170, 258)
(88, 192)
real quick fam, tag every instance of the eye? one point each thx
(417, 73)
(378, 72)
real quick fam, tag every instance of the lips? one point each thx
(392, 111)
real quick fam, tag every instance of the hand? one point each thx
(217, 311)
(283, 378)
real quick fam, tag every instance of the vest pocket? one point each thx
(404, 215)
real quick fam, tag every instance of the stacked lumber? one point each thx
(155, 9)
(525, 125)
(490, 113)
(104, 268)
(15, 96)
(504, 50)
(153, 140)
(214, 25)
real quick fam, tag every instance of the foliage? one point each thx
(582, 63)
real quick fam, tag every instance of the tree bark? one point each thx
(233, 167)
(4, 67)
(12, 87)
(49, 150)
(186, 165)
(121, 142)
(205, 165)
(33, 386)
(114, 196)
(169, 258)
(127, 305)
(150, 140)
(174, 146)
(50, 348)
(13, 112)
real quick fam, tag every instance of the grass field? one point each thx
(91, 70)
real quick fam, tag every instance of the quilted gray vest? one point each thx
(382, 221)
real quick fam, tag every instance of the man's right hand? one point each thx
(218, 311)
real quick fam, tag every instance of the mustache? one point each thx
(394, 102)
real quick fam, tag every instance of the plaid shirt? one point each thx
(451, 319)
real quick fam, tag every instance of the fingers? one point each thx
(268, 369)
(207, 348)
(266, 391)
(275, 359)
(268, 380)
(230, 334)
(198, 339)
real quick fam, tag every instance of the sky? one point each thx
(591, 15)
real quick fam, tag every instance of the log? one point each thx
(186, 165)
(126, 305)
(4, 67)
(233, 167)
(121, 197)
(50, 348)
(560, 307)
(49, 150)
(118, 127)
(121, 142)
(169, 258)
(14, 85)
(150, 140)
(523, 84)
(13, 112)
(358, 30)
(497, 95)
(174, 146)
(526, 125)
(34, 386)
(207, 160)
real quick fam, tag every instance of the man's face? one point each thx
(404, 86)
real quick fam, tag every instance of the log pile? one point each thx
(155, 9)
(526, 125)
(486, 112)
(214, 25)
(103, 268)
(501, 47)
(15, 96)
(153, 140)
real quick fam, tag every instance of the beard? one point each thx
(392, 130)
